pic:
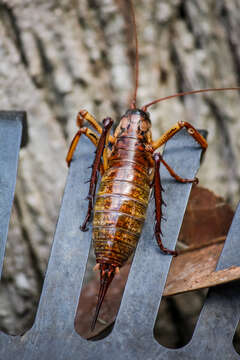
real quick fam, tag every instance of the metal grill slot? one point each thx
(53, 335)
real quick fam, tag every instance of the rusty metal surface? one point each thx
(208, 213)
(53, 336)
(195, 269)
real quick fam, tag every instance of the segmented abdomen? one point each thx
(121, 205)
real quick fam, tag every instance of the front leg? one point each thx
(89, 133)
(173, 174)
(176, 128)
(81, 116)
(85, 115)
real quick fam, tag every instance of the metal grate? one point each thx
(53, 336)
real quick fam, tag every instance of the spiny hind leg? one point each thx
(158, 205)
(176, 128)
(100, 143)
(107, 123)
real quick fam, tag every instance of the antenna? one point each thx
(133, 102)
(144, 108)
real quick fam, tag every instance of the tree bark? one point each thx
(57, 57)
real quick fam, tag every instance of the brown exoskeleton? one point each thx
(129, 168)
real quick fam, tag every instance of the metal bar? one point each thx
(222, 306)
(53, 335)
(11, 135)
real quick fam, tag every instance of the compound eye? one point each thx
(144, 125)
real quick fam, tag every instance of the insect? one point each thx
(129, 163)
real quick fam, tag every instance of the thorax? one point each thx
(133, 138)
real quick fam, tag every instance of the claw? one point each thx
(195, 181)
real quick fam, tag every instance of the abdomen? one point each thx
(120, 208)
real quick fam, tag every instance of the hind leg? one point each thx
(158, 205)
(107, 123)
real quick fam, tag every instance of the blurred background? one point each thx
(57, 57)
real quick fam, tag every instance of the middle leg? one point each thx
(176, 128)
(173, 174)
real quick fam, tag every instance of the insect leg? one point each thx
(158, 204)
(89, 133)
(107, 123)
(177, 177)
(171, 132)
(85, 115)
(106, 151)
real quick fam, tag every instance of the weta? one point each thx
(128, 162)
